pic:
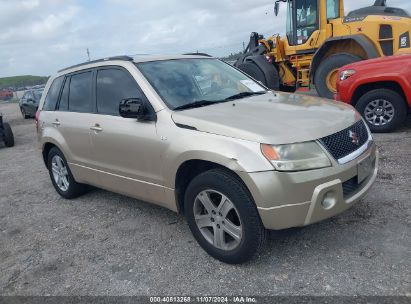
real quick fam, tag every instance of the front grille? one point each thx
(345, 142)
(350, 186)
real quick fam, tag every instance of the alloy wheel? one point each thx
(379, 112)
(60, 173)
(217, 219)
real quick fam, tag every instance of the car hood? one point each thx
(272, 118)
(386, 62)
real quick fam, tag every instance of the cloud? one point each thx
(42, 36)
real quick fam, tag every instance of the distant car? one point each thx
(30, 102)
(6, 94)
(380, 89)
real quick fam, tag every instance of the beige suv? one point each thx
(197, 136)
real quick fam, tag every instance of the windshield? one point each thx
(181, 82)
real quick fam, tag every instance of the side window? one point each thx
(80, 97)
(63, 105)
(53, 94)
(333, 9)
(114, 85)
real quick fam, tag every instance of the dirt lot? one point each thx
(108, 244)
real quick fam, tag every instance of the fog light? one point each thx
(329, 200)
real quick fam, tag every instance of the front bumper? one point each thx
(295, 199)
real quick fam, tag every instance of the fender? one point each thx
(234, 154)
(361, 40)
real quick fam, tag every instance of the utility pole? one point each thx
(243, 46)
(88, 54)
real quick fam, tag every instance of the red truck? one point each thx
(380, 89)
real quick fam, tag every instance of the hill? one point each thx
(21, 81)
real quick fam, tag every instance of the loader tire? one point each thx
(327, 73)
(254, 71)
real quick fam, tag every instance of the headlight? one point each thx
(346, 74)
(296, 157)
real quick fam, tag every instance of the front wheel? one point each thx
(223, 217)
(383, 109)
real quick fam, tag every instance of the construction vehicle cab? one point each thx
(320, 39)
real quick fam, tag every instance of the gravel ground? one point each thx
(108, 244)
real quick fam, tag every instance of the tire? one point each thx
(255, 72)
(326, 67)
(8, 136)
(243, 214)
(23, 113)
(70, 190)
(252, 70)
(390, 101)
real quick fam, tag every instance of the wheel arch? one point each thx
(367, 87)
(192, 168)
(358, 45)
(45, 151)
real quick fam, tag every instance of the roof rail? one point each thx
(124, 58)
(199, 54)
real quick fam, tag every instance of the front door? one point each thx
(127, 151)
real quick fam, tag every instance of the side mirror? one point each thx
(134, 108)
(276, 8)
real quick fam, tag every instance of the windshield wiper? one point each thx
(202, 103)
(244, 94)
(196, 104)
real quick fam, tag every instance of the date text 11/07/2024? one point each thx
(203, 299)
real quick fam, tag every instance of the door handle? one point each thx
(96, 128)
(56, 122)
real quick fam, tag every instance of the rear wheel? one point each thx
(23, 113)
(8, 136)
(327, 73)
(383, 109)
(61, 176)
(222, 217)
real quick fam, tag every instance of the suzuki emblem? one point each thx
(355, 139)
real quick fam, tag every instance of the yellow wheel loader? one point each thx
(320, 39)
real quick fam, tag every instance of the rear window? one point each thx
(80, 97)
(53, 94)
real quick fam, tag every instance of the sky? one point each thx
(39, 37)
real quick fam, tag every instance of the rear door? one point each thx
(72, 120)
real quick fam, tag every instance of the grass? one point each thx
(22, 81)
